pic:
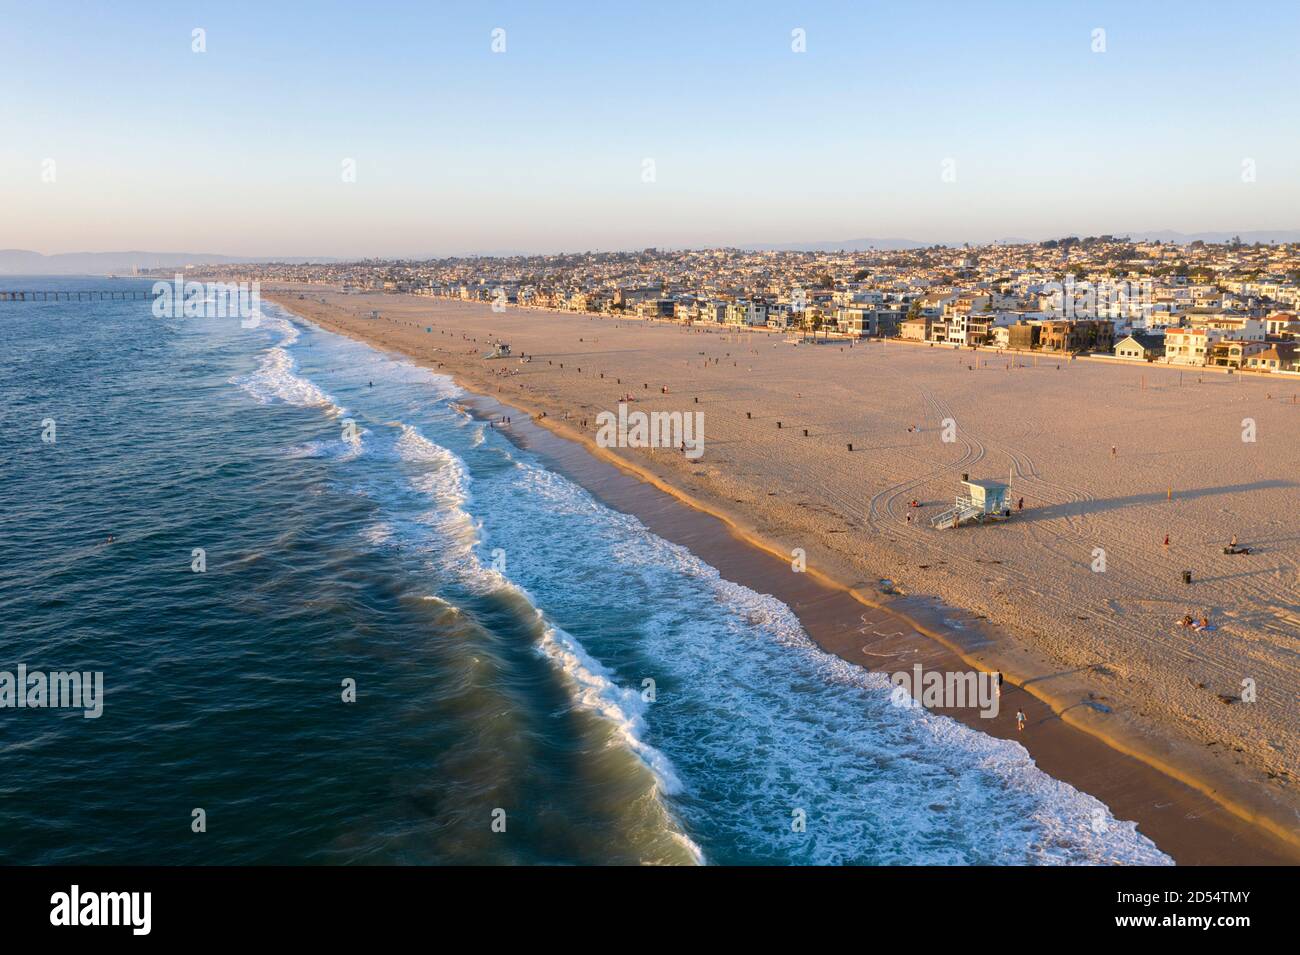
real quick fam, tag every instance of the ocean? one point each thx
(538, 679)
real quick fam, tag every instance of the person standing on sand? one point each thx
(1020, 720)
(1166, 542)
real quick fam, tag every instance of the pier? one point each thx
(85, 295)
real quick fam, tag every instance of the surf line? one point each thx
(1239, 806)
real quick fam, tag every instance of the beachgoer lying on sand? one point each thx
(1186, 621)
(1232, 547)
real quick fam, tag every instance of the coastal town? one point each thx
(1229, 305)
(462, 444)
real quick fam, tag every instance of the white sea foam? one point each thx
(447, 482)
(776, 724)
(276, 379)
(752, 720)
(287, 330)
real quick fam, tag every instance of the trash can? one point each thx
(1187, 576)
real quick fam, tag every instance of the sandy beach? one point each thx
(1107, 457)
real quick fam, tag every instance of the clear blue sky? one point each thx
(240, 149)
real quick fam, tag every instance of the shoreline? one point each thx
(1192, 819)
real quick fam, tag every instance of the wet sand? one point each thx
(1188, 815)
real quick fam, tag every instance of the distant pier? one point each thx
(85, 295)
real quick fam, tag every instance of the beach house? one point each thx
(711, 311)
(1141, 346)
(864, 320)
(1231, 326)
(1282, 325)
(655, 308)
(1279, 356)
(1024, 335)
(1189, 346)
(915, 329)
(780, 315)
(747, 313)
(1077, 336)
(1233, 352)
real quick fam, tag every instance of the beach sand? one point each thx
(1099, 653)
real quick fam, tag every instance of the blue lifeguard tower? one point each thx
(980, 501)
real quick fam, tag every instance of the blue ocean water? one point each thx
(525, 658)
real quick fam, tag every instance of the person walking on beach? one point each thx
(1166, 542)
(1020, 720)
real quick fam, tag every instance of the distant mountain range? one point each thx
(24, 262)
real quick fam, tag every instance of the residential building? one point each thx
(1280, 356)
(1189, 346)
(1141, 346)
(1077, 336)
(1233, 352)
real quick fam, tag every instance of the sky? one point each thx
(615, 125)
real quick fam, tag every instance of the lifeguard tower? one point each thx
(979, 501)
(499, 350)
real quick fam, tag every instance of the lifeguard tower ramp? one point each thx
(980, 501)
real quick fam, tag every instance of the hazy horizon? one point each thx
(1248, 237)
(406, 136)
